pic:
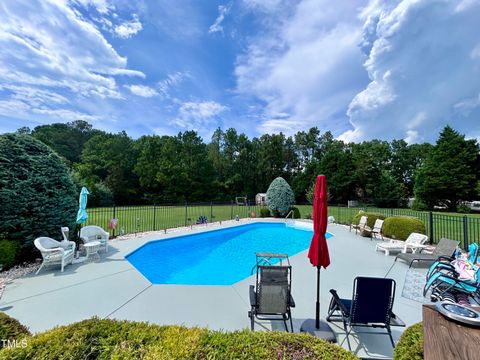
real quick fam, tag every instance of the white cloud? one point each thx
(172, 80)
(424, 70)
(197, 115)
(222, 12)
(128, 28)
(142, 90)
(306, 64)
(53, 58)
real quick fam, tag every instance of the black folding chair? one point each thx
(371, 306)
(271, 298)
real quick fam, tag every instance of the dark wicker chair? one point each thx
(271, 298)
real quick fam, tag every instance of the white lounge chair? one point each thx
(95, 233)
(361, 225)
(414, 242)
(55, 252)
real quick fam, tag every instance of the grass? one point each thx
(134, 219)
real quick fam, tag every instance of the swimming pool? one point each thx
(217, 257)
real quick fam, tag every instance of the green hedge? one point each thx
(8, 253)
(410, 346)
(107, 339)
(11, 329)
(400, 227)
(264, 212)
(371, 218)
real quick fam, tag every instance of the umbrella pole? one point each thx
(317, 318)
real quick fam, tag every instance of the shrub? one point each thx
(8, 253)
(264, 212)
(464, 209)
(296, 213)
(37, 193)
(400, 227)
(11, 329)
(280, 197)
(107, 339)
(410, 346)
(371, 218)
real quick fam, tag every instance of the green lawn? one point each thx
(147, 218)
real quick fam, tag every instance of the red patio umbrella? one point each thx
(318, 252)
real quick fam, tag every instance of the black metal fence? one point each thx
(462, 227)
(134, 219)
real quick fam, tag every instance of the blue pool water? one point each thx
(219, 257)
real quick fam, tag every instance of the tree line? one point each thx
(172, 169)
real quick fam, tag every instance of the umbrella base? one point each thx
(324, 332)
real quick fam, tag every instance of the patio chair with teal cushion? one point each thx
(371, 306)
(271, 298)
(441, 282)
(443, 263)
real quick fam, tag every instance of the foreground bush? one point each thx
(11, 329)
(410, 346)
(37, 195)
(280, 197)
(106, 339)
(8, 253)
(400, 227)
(371, 218)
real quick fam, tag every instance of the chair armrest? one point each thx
(338, 301)
(292, 302)
(253, 296)
(57, 249)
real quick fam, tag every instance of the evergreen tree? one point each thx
(450, 172)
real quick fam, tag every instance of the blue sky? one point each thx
(361, 69)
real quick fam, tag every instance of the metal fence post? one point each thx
(154, 217)
(231, 210)
(186, 213)
(113, 217)
(465, 232)
(430, 225)
(211, 212)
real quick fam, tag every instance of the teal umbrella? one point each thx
(82, 215)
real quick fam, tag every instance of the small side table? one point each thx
(91, 248)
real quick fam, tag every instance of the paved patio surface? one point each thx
(113, 288)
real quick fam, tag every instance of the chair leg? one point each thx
(285, 322)
(291, 322)
(347, 334)
(390, 335)
(252, 320)
(40, 268)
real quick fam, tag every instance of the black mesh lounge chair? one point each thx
(445, 247)
(371, 306)
(271, 299)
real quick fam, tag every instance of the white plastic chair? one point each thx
(361, 225)
(55, 252)
(95, 233)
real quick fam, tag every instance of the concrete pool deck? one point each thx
(113, 288)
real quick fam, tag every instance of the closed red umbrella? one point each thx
(318, 254)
